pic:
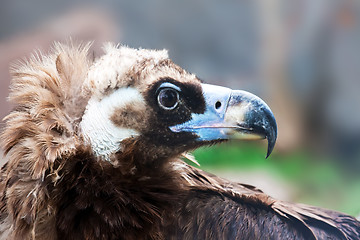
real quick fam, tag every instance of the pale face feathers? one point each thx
(99, 130)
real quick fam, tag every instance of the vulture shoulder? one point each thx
(219, 209)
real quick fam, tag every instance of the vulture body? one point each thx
(94, 152)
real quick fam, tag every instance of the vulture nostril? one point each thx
(217, 104)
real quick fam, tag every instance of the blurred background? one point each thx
(301, 56)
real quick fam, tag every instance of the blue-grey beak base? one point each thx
(209, 125)
(231, 114)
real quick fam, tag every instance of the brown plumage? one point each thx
(94, 146)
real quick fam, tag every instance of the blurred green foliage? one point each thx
(317, 181)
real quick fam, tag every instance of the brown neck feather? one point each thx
(98, 200)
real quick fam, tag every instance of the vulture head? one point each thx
(93, 151)
(141, 103)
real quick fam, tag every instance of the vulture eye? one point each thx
(168, 98)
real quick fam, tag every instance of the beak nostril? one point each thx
(217, 104)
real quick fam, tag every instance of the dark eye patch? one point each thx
(190, 100)
(193, 97)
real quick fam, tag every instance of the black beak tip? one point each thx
(271, 145)
(271, 135)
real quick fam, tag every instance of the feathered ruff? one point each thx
(48, 102)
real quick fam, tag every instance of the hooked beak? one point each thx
(231, 114)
